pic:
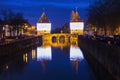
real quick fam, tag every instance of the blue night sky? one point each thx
(57, 11)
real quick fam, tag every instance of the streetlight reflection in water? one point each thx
(44, 52)
(33, 54)
(57, 61)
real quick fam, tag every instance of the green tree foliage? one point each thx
(104, 13)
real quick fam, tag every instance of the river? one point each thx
(48, 62)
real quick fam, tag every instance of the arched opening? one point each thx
(54, 39)
(62, 39)
(69, 39)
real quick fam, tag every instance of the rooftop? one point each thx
(43, 18)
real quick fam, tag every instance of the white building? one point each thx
(76, 24)
(43, 25)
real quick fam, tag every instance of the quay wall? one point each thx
(106, 54)
(13, 47)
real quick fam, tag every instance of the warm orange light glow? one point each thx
(6, 66)
(33, 54)
(25, 57)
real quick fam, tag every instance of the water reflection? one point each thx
(25, 57)
(49, 62)
(76, 56)
(62, 39)
(44, 53)
(75, 53)
(14, 67)
(6, 67)
(33, 54)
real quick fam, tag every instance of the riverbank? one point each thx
(7, 48)
(107, 55)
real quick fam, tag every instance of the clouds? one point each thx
(55, 9)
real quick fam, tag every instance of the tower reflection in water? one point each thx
(76, 56)
(75, 53)
(44, 55)
(44, 52)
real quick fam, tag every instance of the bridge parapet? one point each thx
(61, 39)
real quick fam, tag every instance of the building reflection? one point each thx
(76, 56)
(55, 43)
(74, 40)
(44, 54)
(25, 57)
(33, 54)
(75, 53)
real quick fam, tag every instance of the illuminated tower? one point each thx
(43, 25)
(76, 24)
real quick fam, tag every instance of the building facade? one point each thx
(76, 24)
(43, 25)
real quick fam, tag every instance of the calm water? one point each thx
(48, 63)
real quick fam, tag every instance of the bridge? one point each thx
(60, 39)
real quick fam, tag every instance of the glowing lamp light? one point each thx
(44, 53)
(33, 54)
(43, 26)
(76, 25)
(76, 53)
(25, 57)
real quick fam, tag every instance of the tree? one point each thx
(104, 14)
(14, 20)
(17, 22)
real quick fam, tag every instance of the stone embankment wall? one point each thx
(107, 55)
(13, 47)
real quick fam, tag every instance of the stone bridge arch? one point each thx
(56, 38)
(60, 37)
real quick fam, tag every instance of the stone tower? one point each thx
(76, 24)
(43, 25)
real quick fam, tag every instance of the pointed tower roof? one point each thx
(75, 17)
(72, 16)
(43, 18)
